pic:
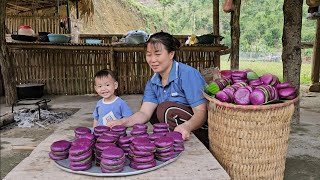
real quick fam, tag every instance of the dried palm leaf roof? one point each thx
(86, 7)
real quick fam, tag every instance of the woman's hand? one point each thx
(184, 130)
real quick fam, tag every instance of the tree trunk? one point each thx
(291, 44)
(235, 35)
(7, 68)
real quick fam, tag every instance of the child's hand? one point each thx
(114, 123)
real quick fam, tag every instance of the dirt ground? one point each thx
(303, 158)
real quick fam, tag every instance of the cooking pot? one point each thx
(43, 36)
(29, 90)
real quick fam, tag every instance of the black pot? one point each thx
(43, 36)
(24, 38)
(30, 91)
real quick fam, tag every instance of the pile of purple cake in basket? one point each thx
(109, 148)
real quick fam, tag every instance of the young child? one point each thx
(110, 107)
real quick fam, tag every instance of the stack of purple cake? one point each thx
(165, 150)
(99, 148)
(88, 136)
(81, 155)
(113, 134)
(59, 150)
(142, 154)
(81, 131)
(120, 129)
(99, 130)
(124, 143)
(161, 128)
(106, 139)
(153, 137)
(112, 160)
(139, 130)
(178, 145)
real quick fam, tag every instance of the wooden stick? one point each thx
(41, 125)
(24, 147)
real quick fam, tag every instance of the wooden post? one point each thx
(291, 47)
(6, 63)
(235, 35)
(58, 8)
(315, 68)
(68, 14)
(216, 31)
(77, 7)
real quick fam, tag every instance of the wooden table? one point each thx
(196, 162)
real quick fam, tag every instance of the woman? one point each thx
(173, 94)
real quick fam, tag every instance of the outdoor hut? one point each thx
(68, 68)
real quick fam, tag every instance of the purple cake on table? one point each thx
(59, 150)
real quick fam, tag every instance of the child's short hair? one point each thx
(104, 73)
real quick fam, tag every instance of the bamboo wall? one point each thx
(69, 69)
(37, 23)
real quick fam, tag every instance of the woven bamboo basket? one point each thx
(250, 142)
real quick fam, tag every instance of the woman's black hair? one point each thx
(170, 43)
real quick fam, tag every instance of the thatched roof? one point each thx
(22, 6)
(86, 7)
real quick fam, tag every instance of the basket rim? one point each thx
(250, 107)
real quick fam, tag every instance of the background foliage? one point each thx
(261, 21)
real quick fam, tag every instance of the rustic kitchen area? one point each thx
(23, 130)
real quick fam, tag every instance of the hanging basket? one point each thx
(251, 141)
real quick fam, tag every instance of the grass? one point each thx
(275, 68)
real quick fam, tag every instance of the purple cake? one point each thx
(141, 166)
(82, 130)
(60, 146)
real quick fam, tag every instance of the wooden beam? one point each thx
(315, 68)
(19, 8)
(307, 45)
(30, 45)
(216, 30)
(235, 35)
